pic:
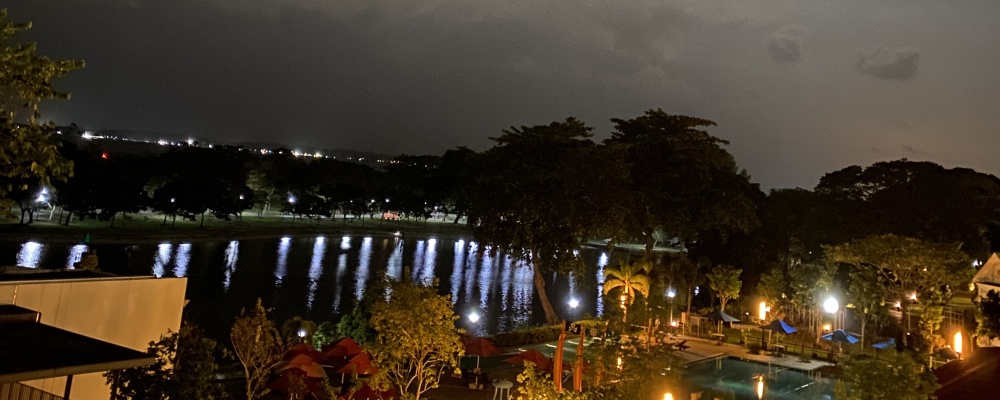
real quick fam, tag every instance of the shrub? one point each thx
(754, 348)
(523, 336)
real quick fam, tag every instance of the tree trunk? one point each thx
(550, 313)
(202, 220)
(69, 217)
(650, 244)
(113, 219)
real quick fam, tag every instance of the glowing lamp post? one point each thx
(671, 294)
(302, 334)
(957, 346)
(831, 306)
(474, 317)
(573, 303)
(762, 311)
(668, 396)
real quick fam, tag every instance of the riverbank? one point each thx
(149, 228)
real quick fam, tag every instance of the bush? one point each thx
(525, 336)
(754, 348)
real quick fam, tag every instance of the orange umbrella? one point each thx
(557, 362)
(481, 347)
(302, 348)
(541, 361)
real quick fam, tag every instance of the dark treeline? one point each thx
(541, 191)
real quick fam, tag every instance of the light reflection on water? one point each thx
(601, 263)
(75, 255)
(316, 268)
(295, 281)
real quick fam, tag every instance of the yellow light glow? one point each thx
(958, 342)
(619, 363)
(826, 327)
(913, 296)
(760, 387)
(668, 396)
(762, 311)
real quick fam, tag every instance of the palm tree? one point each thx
(630, 278)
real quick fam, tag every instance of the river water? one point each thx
(322, 277)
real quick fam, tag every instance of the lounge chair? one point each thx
(682, 345)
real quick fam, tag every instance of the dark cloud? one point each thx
(785, 45)
(897, 64)
(913, 150)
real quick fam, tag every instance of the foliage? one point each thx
(521, 207)
(415, 339)
(357, 324)
(325, 334)
(773, 288)
(290, 330)
(897, 376)
(631, 279)
(538, 386)
(677, 178)
(524, 336)
(29, 153)
(725, 281)
(257, 344)
(185, 368)
(988, 316)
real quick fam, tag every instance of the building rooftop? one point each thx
(31, 350)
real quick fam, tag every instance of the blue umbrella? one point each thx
(840, 336)
(779, 326)
(888, 344)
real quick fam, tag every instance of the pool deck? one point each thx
(702, 349)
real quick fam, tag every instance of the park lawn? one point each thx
(149, 227)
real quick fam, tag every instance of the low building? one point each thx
(987, 278)
(67, 327)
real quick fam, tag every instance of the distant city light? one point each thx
(671, 293)
(190, 142)
(291, 199)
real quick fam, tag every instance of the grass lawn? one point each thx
(148, 227)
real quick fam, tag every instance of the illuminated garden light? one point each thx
(831, 305)
(957, 346)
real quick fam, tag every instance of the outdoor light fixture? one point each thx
(668, 396)
(958, 343)
(573, 303)
(671, 293)
(760, 387)
(762, 311)
(826, 327)
(831, 305)
(898, 305)
(291, 199)
(302, 332)
(474, 317)
(913, 296)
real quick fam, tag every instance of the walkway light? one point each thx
(831, 305)
(958, 343)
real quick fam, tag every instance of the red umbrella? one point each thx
(345, 347)
(481, 347)
(283, 383)
(303, 363)
(360, 364)
(300, 349)
(541, 361)
(366, 392)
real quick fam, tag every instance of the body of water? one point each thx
(322, 277)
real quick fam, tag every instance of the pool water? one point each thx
(741, 379)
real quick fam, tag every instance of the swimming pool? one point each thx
(741, 379)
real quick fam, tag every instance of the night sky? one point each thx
(800, 87)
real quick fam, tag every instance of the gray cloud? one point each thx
(898, 64)
(785, 45)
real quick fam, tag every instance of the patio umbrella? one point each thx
(284, 382)
(720, 317)
(480, 347)
(840, 336)
(540, 360)
(345, 347)
(779, 326)
(302, 349)
(360, 364)
(305, 364)
(948, 353)
(888, 344)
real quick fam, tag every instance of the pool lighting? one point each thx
(760, 387)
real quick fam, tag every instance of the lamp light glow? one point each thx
(957, 346)
(762, 311)
(573, 303)
(831, 305)
(474, 317)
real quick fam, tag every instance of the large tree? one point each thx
(415, 339)
(678, 179)
(29, 152)
(537, 198)
(895, 376)
(629, 278)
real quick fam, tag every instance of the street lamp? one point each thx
(302, 334)
(832, 306)
(573, 303)
(762, 311)
(668, 396)
(671, 293)
(474, 317)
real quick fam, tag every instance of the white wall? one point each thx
(129, 312)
